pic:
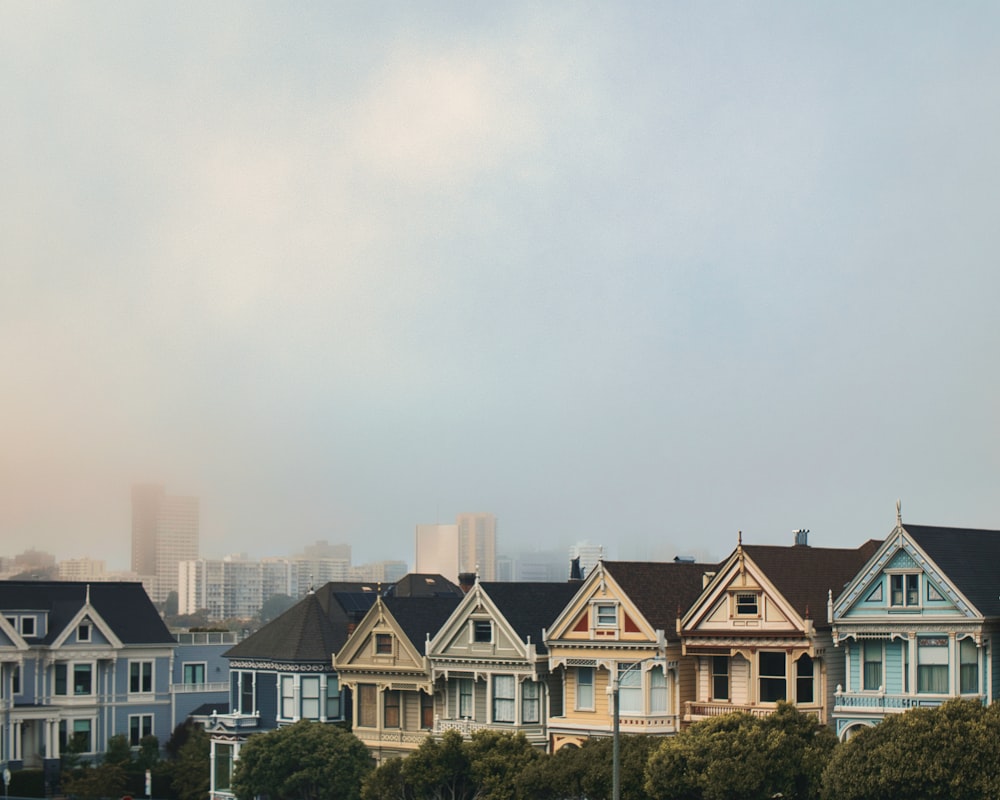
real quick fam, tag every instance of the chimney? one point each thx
(466, 580)
(801, 537)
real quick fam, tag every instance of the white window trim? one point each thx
(140, 717)
(204, 671)
(152, 676)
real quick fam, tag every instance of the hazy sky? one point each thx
(640, 273)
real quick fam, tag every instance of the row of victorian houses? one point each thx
(848, 635)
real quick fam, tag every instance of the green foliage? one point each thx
(951, 752)
(104, 780)
(304, 761)
(149, 753)
(742, 757)
(27, 783)
(118, 751)
(275, 606)
(439, 770)
(189, 767)
(385, 782)
(496, 760)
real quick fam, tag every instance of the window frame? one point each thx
(585, 688)
(805, 679)
(80, 670)
(286, 697)
(141, 676)
(191, 664)
(968, 669)
(772, 679)
(334, 704)
(246, 691)
(929, 671)
(383, 644)
(904, 590)
(137, 723)
(504, 706)
(466, 699)
(630, 700)
(531, 702)
(482, 631)
(718, 676)
(605, 615)
(870, 666)
(746, 604)
(314, 700)
(659, 698)
(84, 632)
(392, 709)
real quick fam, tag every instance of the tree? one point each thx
(275, 606)
(189, 766)
(496, 759)
(439, 770)
(742, 757)
(118, 751)
(385, 782)
(304, 761)
(104, 780)
(950, 752)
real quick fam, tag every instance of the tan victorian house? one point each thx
(761, 630)
(384, 664)
(489, 662)
(620, 628)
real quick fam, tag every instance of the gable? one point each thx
(741, 599)
(902, 583)
(477, 630)
(601, 611)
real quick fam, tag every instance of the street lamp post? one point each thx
(616, 766)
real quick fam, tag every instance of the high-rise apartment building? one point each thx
(164, 533)
(477, 544)
(467, 546)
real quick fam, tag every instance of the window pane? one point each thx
(503, 698)
(465, 698)
(367, 705)
(657, 691)
(969, 676)
(585, 687)
(629, 689)
(804, 680)
(530, 703)
(391, 708)
(332, 698)
(287, 697)
(872, 654)
(772, 677)
(81, 679)
(720, 677)
(310, 697)
(482, 630)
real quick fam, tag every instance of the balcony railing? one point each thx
(881, 702)
(238, 721)
(695, 710)
(467, 727)
(194, 688)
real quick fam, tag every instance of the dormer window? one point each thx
(83, 632)
(904, 590)
(27, 626)
(747, 604)
(607, 615)
(482, 631)
(383, 644)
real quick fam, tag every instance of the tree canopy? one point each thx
(304, 761)
(743, 757)
(950, 752)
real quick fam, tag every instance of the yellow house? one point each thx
(614, 632)
(385, 666)
(761, 631)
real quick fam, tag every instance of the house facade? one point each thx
(619, 629)
(489, 663)
(385, 665)
(918, 624)
(759, 633)
(80, 663)
(284, 673)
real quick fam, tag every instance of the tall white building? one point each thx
(477, 544)
(589, 554)
(467, 546)
(164, 533)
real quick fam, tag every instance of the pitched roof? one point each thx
(662, 590)
(314, 628)
(968, 557)
(420, 618)
(805, 575)
(124, 606)
(531, 607)
(424, 584)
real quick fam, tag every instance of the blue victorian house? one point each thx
(917, 624)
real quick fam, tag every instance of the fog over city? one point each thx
(644, 274)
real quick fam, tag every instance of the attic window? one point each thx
(607, 615)
(27, 626)
(383, 644)
(747, 604)
(482, 631)
(83, 632)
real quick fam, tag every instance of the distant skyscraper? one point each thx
(164, 533)
(477, 544)
(437, 550)
(589, 554)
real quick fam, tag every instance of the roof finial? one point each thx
(899, 513)
(88, 594)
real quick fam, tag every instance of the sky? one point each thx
(642, 274)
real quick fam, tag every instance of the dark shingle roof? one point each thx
(531, 607)
(124, 606)
(968, 557)
(422, 584)
(314, 628)
(806, 575)
(662, 590)
(421, 617)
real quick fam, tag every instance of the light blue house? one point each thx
(80, 663)
(917, 624)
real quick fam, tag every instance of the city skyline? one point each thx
(643, 274)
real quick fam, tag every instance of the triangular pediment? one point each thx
(477, 630)
(899, 582)
(378, 644)
(100, 632)
(740, 598)
(601, 611)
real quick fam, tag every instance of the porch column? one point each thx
(16, 746)
(954, 665)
